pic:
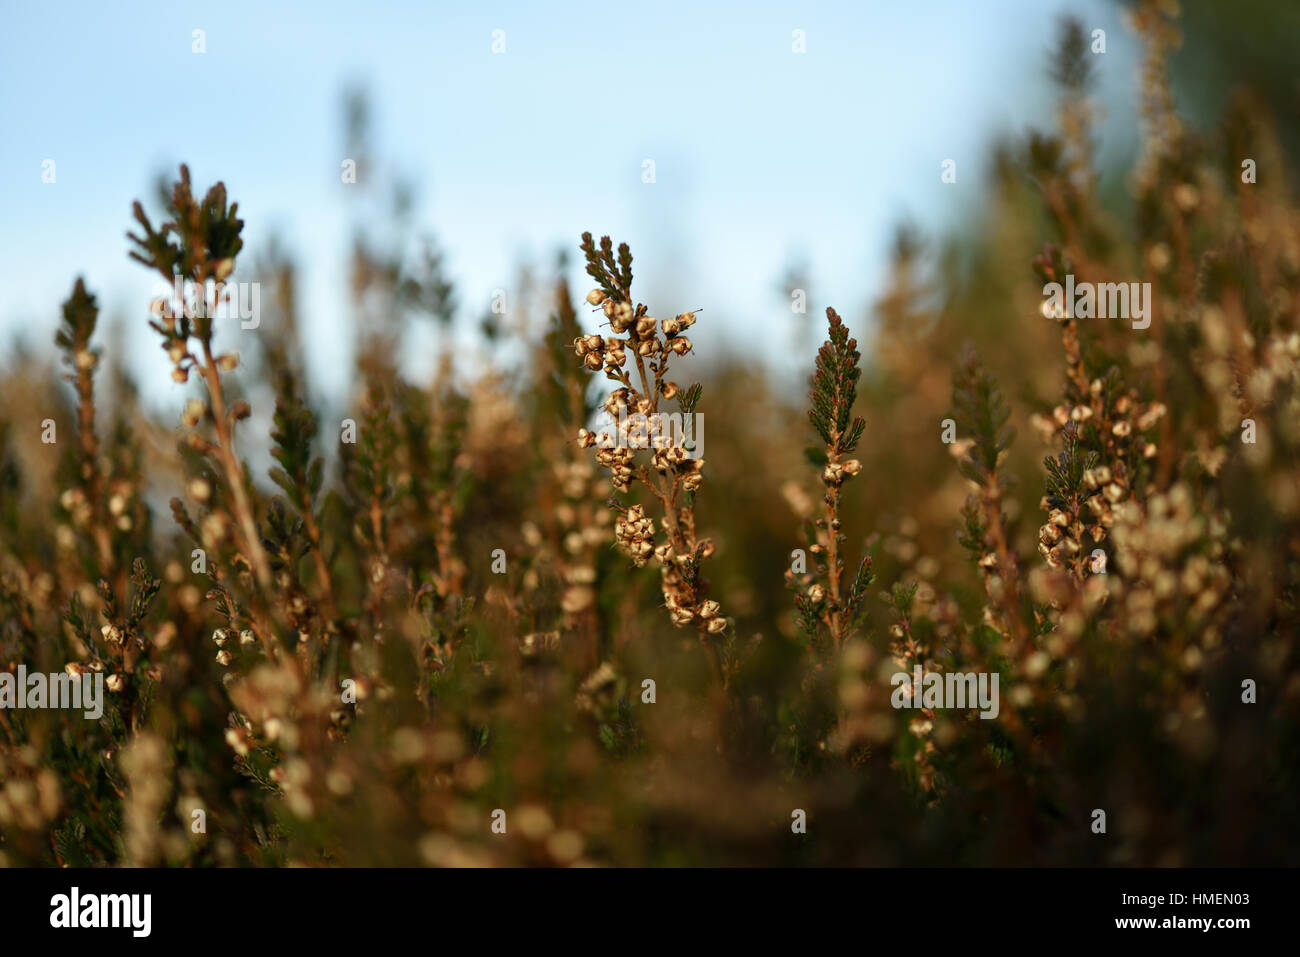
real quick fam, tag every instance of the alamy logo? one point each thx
(655, 430)
(1107, 300)
(133, 911)
(212, 300)
(931, 689)
(37, 690)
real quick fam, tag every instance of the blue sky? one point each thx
(762, 155)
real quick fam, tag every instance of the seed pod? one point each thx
(596, 297)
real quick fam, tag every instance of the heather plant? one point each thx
(415, 628)
(673, 475)
(829, 609)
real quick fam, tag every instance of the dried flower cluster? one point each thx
(673, 475)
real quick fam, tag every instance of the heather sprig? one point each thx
(673, 475)
(1061, 540)
(981, 415)
(199, 243)
(300, 474)
(834, 390)
(824, 609)
(80, 315)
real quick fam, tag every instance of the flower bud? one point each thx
(237, 738)
(194, 410)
